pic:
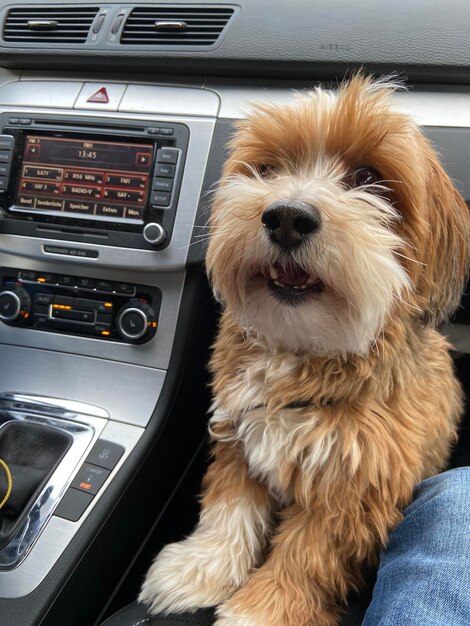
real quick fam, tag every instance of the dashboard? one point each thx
(109, 148)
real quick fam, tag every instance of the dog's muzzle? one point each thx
(290, 223)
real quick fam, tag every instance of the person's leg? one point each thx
(424, 573)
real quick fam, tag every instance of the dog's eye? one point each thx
(265, 169)
(363, 176)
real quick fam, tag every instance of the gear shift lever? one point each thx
(32, 452)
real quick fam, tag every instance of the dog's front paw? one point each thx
(227, 617)
(184, 577)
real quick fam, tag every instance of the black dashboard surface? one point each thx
(428, 41)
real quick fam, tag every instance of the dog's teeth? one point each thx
(303, 286)
(311, 281)
(273, 272)
(276, 282)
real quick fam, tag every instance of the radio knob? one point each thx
(15, 304)
(136, 322)
(154, 234)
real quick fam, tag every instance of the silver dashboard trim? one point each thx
(128, 393)
(438, 105)
(50, 94)
(185, 101)
(58, 406)
(58, 532)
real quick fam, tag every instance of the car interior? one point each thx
(114, 124)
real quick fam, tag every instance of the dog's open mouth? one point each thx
(291, 284)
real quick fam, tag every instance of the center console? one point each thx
(99, 214)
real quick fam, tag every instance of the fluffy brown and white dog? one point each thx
(337, 245)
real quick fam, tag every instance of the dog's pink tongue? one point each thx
(292, 275)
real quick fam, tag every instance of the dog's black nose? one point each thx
(289, 223)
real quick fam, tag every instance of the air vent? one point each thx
(175, 25)
(59, 24)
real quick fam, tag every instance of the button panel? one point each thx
(7, 144)
(164, 176)
(98, 465)
(79, 305)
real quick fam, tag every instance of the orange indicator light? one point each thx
(85, 485)
(106, 333)
(41, 280)
(154, 324)
(108, 304)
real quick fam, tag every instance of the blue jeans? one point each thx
(424, 573)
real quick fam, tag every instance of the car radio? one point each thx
(92, 176)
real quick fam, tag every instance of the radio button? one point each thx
(133, 214)
(160, 198)
(167, 131)
(7, 142)
(79, 206)
(4, 169)
(167, 171)
(109, 210)
(4, 181)
(49, 203)
(5, 156)
(25, 201)
(13, 120)
(163, 184)
(167, 155)
(25, 121)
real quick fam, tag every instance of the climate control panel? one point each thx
(79, 305)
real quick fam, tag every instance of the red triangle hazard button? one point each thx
(99, 96)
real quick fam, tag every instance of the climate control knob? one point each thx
(136, 322)
(15, 304)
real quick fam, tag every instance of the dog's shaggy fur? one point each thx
(331, 404)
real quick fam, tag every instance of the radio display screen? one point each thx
(85, 177)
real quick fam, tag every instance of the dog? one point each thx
(337, 246)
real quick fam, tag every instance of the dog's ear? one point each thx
(446, 254)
